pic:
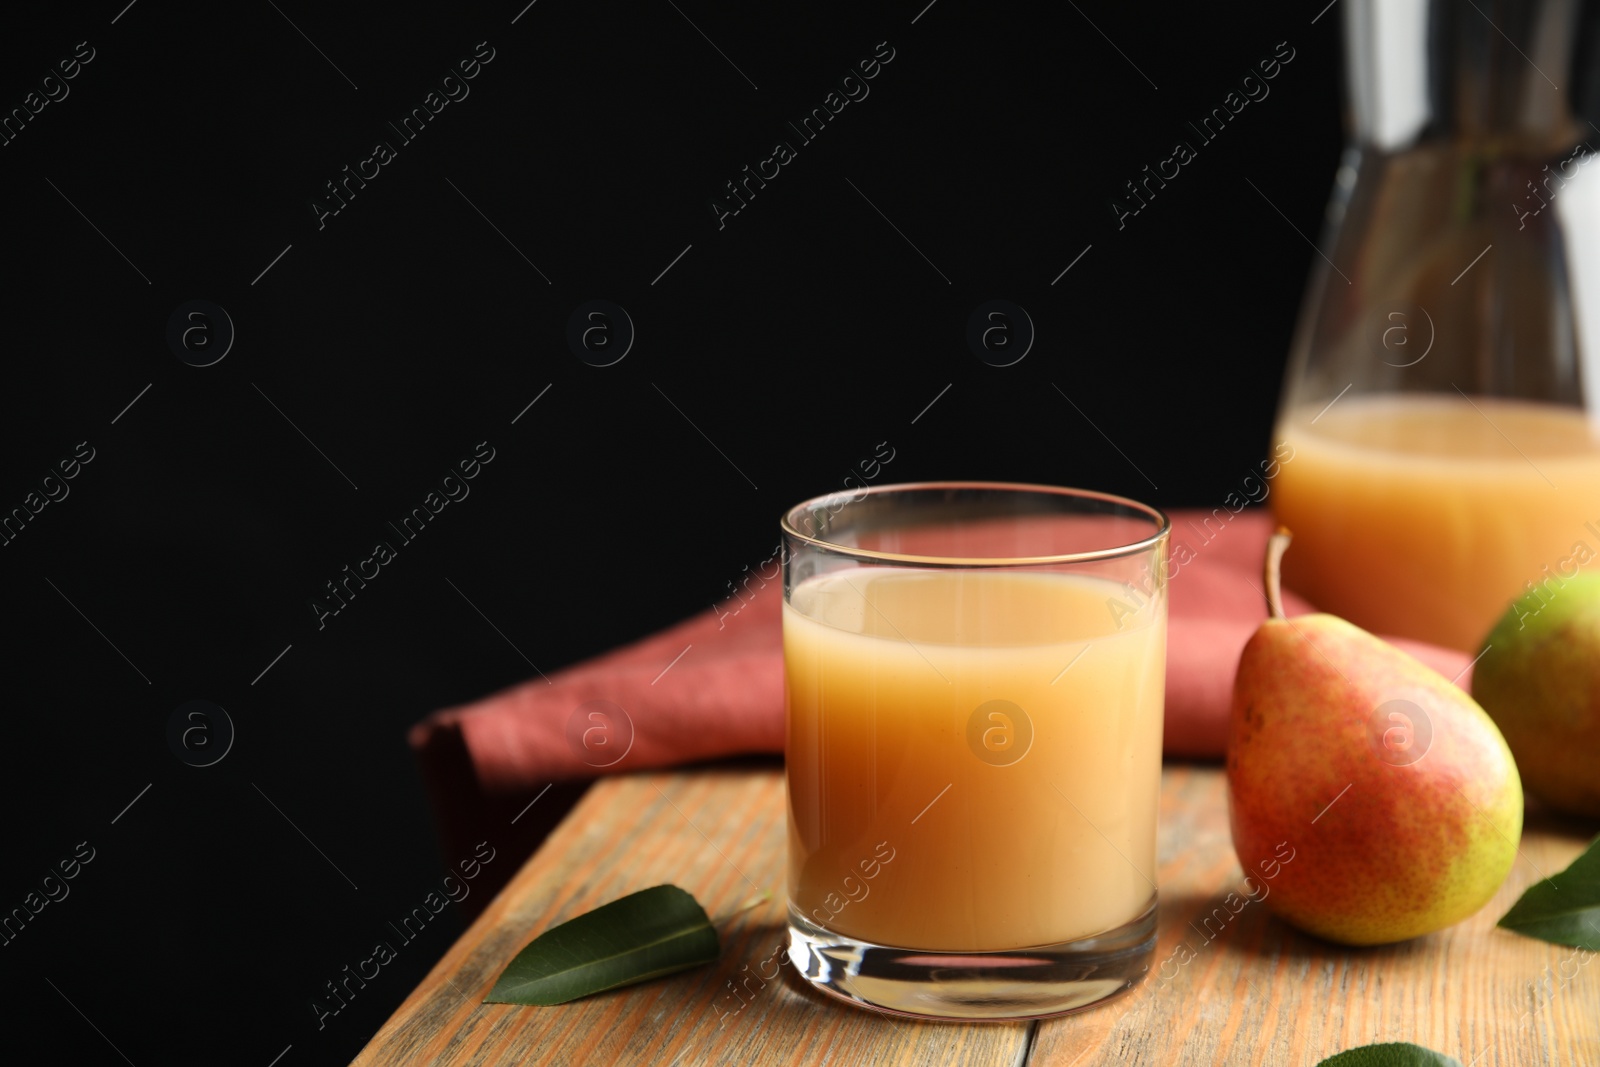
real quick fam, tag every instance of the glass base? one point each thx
(1023, 983)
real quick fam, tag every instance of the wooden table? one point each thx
(1256, 992)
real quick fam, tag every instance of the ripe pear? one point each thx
(1371, 800)
(1540, 682)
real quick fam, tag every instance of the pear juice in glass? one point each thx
(974, 679)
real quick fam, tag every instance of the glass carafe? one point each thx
(1438, 440)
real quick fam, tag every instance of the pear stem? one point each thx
(1271, 570)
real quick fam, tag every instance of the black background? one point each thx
(407, 330)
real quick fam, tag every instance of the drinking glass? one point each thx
(973, 677)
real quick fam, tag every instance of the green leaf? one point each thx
(1564, 909)
(643, 935)
(1391, 1054)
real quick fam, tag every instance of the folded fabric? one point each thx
(712, 687)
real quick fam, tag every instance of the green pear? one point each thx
(1371, 800)
(1540, 682)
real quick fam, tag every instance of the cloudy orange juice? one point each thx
(1423, 516)
(974, 756)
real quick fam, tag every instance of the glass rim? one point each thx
(1155, 514)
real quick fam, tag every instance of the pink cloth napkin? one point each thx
(712, 687)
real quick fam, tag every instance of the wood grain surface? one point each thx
(1230, 984)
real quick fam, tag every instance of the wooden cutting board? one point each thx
(1230, 984)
